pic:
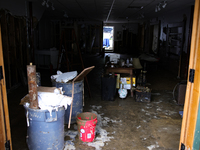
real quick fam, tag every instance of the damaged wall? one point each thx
(15, 48)
(20, 8)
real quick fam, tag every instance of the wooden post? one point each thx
(32, 86)
(5, 135)
(192, 95)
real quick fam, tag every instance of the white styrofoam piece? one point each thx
(64, 77)
(50, 101)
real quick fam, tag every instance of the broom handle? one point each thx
(71, 104)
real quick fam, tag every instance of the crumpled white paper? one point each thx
(64, 77)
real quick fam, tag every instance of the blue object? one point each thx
(181, 113)
(45, 131)
(78, 99)
(106, 42)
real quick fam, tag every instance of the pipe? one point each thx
(32, 86)
(110, 10)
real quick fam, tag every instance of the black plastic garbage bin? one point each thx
(108, 88)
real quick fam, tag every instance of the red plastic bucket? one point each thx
(86, 126)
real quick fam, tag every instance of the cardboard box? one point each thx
(126, 82)
(143, 96)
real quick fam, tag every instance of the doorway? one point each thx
(108, 38)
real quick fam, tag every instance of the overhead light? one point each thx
(65, 15)
(52, 7)
(43, 3)
(160, 5)
(47, 5)
(164, 4)
(136, 7)
(156, 8)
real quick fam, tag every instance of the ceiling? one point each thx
(111, 10)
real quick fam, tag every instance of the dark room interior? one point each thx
(150, 43)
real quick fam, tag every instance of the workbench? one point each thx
(128, 70)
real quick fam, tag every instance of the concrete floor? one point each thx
(122, 123)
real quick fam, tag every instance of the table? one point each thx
(128, 70)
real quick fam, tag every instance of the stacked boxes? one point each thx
(125, 81)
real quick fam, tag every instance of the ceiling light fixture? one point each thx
(156, 8)
(52, 7)
(65, 14)
(47, 5)
(164, 4)
(43, 3)
(136, 7)
(142, 15)
(160, 5)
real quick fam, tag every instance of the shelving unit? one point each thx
(175, 43)
(175, 38)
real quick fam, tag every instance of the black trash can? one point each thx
(108, 87)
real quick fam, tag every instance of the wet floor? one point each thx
(122, 123)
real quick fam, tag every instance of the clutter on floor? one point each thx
(142, 94)
(46, 107)
(122, 123)
(125, 78)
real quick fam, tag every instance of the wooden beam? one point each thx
(193, 89)
(2, 123)
(4, 104)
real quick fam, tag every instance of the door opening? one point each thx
(108, 38)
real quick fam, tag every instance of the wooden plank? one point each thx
(2, 124)
(192, 93)
(4, 97)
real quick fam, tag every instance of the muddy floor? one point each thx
(122, 123)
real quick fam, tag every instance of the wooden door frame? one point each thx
(193, 88)
(5, 133)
